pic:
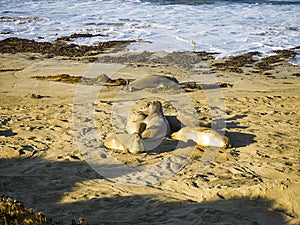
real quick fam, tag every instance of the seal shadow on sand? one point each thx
(7, 133)
(41, 185)
(238, 139)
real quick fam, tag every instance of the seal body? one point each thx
(202, 136)
(135, 122)
(113, 142)
(132, 143)
(137, 144)
(157, 125)
(153, 81)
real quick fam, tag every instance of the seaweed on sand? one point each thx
(57, 48)
(13, 212)
(234, 63)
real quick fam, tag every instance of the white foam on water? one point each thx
(228, 27)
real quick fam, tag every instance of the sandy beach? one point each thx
(45, 142)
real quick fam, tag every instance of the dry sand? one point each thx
(43, 166)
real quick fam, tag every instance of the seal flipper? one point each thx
(137, 145)
(146, 133)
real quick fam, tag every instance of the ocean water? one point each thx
(227, 27)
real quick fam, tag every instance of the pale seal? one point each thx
(153, 81)
(132, 143)
(202, 136)
(157, 126)
(135, 122)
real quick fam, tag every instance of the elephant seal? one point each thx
(202, 136)
(157, 126)
(135, 122)
(132, 143)
(153, 81)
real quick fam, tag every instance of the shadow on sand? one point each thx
(238, 139)
(7, 133)
(41, 185)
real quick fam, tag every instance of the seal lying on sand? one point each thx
(202, 136)
(153, 81)
(167, 82)
(132, 143)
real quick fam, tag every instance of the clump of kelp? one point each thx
(268, 62)
(76, 35)
(60, 47)
(13, 212)
(236, 63)
(101, 79)
(185, 59)
(65, 78)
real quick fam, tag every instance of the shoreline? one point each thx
(43, 167)
(62, 45)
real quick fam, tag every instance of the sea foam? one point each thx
(227, 27)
